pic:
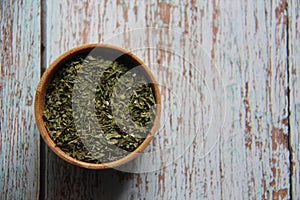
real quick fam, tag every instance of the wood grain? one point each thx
(247, 40)
(20, 72)
(254, 44)
(294, 80)
(251, 48)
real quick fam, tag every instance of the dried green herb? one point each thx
(98, 110)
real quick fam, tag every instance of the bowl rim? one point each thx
(39, 102)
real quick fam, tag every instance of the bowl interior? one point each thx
(107, 52)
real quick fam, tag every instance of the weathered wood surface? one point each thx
(294, 80)
(20, 73)
(249, 106)
(251, 48)
(247, 40)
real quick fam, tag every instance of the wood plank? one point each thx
(192, 179)
(251, 43)
(20, 73)
(247, 41)
(294, 75)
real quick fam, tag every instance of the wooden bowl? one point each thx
(125, 57)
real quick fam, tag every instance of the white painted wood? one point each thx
(247, 41)
(20, 73)
(251, 50)
(294, 73)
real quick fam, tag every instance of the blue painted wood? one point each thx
(20, 73)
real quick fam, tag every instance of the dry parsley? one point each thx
(97, 110)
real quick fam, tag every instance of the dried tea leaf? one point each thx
(118, 135)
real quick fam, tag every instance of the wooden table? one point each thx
(248, 98)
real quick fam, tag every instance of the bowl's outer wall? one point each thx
(108, 52)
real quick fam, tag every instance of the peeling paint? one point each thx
(254, 166)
